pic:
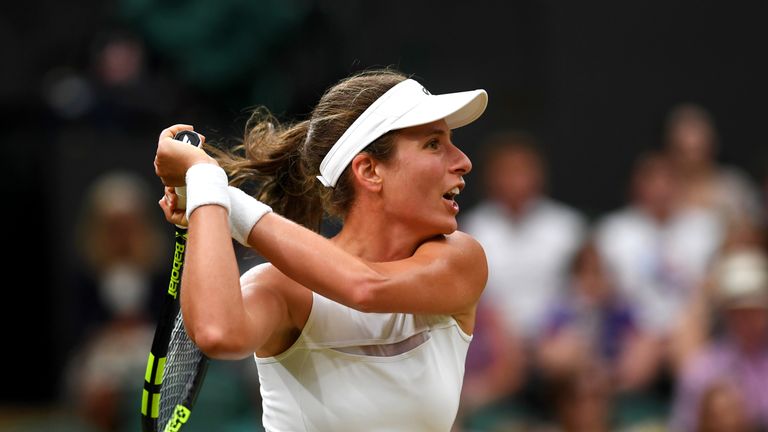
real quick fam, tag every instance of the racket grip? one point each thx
(191, 138)
(181, 198)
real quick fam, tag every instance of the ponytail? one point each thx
(270, 159)
(283, 160)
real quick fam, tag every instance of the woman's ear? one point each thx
(366, 171)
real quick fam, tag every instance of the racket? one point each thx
(176, 367)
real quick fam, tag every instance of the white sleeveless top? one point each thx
(356, 371)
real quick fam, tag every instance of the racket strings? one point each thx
(181, 369)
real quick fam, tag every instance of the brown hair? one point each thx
(284, 159)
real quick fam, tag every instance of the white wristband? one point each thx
(245, 212)
(206, 184)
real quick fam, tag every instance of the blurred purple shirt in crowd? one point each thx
(722, 361)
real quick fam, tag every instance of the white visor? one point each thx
(406, 104)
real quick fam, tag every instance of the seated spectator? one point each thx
(121, 250)
(722, 410)
(122, 254)
(592, 326)
(103, 378)
(494, 373)
(738, 356)
(125, 267)
(691, 144)
(696, 320)
(657, 250)
(529, 238)
(581, 401)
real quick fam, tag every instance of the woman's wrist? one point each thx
(245, 212)
(206, 185)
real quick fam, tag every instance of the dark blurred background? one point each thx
(86, 87)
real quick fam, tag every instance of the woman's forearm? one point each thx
(444, 276)
(315, 262)
(211, 298)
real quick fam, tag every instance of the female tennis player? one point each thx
(367, 330)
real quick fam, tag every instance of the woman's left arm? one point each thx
(445, 275)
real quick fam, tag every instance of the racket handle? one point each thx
(191, 138)
(181, 198)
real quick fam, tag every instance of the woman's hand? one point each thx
(169, 203)
(173, 158)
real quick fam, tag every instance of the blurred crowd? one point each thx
(651, 317)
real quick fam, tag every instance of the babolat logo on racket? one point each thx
(178, 261)
(188, 137)
(180, 416)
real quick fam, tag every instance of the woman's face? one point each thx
(422, 179)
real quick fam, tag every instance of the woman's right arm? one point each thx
(227, 322)
(224, 320)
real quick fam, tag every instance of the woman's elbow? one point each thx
(365, 296)
(217, 343)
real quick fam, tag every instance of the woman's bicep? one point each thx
(444, 276)
(262, 317)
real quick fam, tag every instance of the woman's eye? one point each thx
(433, 144)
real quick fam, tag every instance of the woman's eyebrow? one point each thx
(440, 131)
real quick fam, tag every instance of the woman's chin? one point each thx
(448, 227)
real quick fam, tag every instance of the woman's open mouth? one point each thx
(450, 196)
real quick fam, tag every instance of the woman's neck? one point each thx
(371, 236)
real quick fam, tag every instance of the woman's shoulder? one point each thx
(458, 251)
(267, 276)
(456, 242)
(458, 237)
(464, 241)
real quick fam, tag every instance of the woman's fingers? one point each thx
(166, 207)
(168, 204)
(171, 132)
(171, 197)
(173, 158)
